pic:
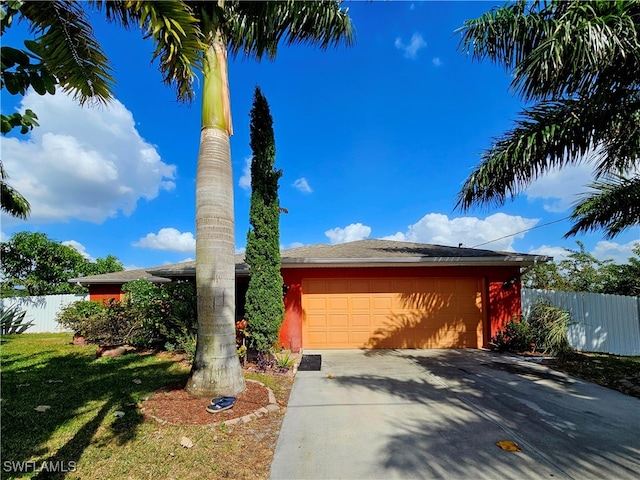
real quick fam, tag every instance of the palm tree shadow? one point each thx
(420, 324)
(465, 396)
(80, 381)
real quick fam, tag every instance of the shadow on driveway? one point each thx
(439, 414)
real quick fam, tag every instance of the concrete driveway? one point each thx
(440, 413)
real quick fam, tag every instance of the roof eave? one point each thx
(241, 268)
(511, 260)
(111, 281)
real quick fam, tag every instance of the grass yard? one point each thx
(77, 433)
(610, 371)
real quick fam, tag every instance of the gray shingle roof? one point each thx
(120, 277)
(371, 252)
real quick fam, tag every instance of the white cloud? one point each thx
(619, 253)
(603, 250)
(80, 248)
(558, 253)
(245, 179)
(291, 245)
(302, 185)
(436, 61)
(560, 188)
(439, 229)
(413, 47)
(187, 259)
(350, 233)
(83, 163)
(168, 239)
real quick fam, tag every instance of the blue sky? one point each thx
(374, 141)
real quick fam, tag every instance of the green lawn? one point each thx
(82, 394)
(603, 369)
(80, 435)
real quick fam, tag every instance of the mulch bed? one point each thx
(173, 405)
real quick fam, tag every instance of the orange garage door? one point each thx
(392, 313)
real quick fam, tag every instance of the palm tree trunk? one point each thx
(216, 369)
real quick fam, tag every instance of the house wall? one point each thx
(105, 292)
(501, 303)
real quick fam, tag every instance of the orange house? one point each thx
(376, 294)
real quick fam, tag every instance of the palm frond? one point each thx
(620, 143)
(589, 48)
(176, 33)
(13, 202)
(578, 62)
(550, 135)
(560, 48)
(67, 46)
(613, 206)
(503, 35)
(256, 29)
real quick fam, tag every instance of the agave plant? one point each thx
(12, 320)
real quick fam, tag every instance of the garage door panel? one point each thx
(393, 313)
(338, 286)
(318, 338)
(338, 321)
(382, 302)
(359, 320)
(404, 286)
(359, 286)
(359, 338)
(360, 303)
(340, 339)
(315, 286)
(317, 320)
(380, 285)
(316, 303)
(338, 303)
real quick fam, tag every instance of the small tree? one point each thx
(623, 279)
(264, 304)
(34, 264)
(580, 271)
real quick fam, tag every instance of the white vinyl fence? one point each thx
(602, 323)
(43, 310)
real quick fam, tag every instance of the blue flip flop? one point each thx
(220, 404)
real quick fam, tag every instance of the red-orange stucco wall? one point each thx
(501, 303)
(105, 292)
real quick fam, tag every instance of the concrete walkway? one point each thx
(439, 414)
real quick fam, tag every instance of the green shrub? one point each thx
(515, 337)
(550, 325)
(151, 316)
(168, 313)
(284, 360)
(12, 320)
(78, 316)
(545, 330)
(111, 324)
(183, 343)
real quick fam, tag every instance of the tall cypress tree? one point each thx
(264, 307)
